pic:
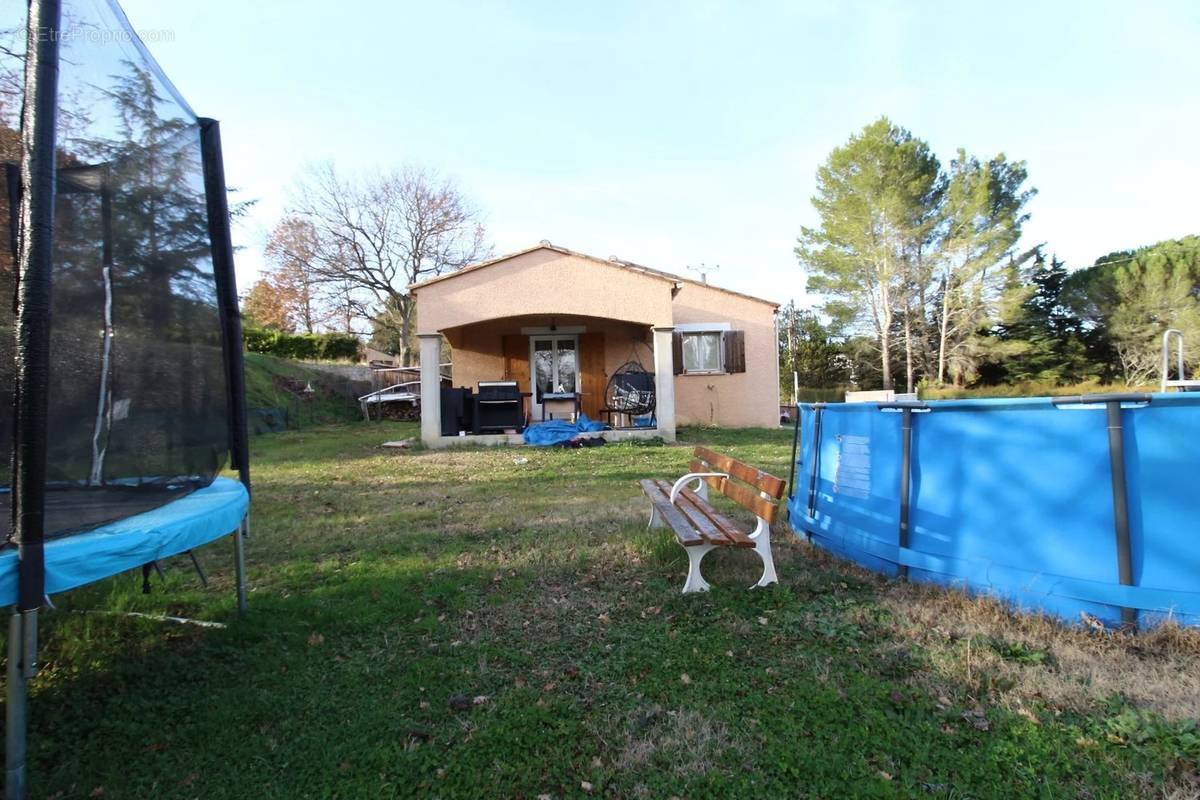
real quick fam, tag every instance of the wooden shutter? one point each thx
(592, 378)
(516, 360)
(734, 345)
(677, 351)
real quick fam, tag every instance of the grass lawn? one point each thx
(389, 589)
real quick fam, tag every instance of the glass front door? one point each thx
(555, 368)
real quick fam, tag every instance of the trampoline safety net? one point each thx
(138, 410)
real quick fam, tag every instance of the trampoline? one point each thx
(122, 395)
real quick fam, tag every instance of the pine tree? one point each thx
(877, 198)
(1054, 349)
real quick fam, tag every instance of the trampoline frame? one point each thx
(33, 192)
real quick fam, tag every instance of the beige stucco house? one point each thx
(578, 318)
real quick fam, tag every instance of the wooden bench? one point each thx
(699, 527)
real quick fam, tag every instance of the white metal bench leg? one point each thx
(656, 520)
(695, 581)
(762, 546)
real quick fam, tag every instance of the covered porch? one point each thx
(562, 366)
(547, 321)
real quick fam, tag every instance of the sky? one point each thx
(687, 133)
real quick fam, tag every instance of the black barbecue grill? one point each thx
(499, 406)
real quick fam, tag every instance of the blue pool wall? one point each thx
(1012, 498)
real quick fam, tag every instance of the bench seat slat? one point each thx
(693, 508)
(660, 499)
(704, 523)
(726, 525)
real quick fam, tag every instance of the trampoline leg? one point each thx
(239, 562)
(198, 568)
(22, 665)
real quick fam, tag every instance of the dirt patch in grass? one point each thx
(684, 742)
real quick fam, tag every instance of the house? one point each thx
(577, 318)
(378, 359)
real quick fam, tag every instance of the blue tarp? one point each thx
(193, 520)
(1013, 498)
(558, 431)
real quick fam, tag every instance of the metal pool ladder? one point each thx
(1181, 384)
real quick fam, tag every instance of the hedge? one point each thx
(305, 346)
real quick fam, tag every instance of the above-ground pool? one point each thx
(1084, 507)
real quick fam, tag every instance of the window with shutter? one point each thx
(708, 352)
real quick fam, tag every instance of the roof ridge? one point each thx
(545, 244)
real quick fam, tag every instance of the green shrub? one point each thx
(339, 347)
(302, 346)
(259, 340)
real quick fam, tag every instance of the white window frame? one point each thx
(700, 328)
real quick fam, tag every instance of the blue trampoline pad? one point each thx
(191, 521)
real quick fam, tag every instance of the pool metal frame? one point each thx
(1120, 491)
(1114, 405)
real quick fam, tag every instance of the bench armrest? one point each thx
(693, 476)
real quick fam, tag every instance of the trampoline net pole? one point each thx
(239, 562)
(35, 251)
(221, 240)
(34, 259)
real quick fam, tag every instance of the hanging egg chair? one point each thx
(630, 393)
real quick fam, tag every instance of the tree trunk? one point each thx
(791, 346)
(943, 333)
(908, 351)
(885, 331)
(885, 363)
(308, 308)
(405, 306)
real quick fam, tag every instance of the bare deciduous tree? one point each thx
(292, 250)
(377, 235)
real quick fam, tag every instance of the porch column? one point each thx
(664, 382)
(431, 387)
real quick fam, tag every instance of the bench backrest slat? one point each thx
(744, 494)
(762, 481)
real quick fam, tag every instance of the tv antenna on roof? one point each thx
(704, 270)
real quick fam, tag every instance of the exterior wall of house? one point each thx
(477, 354)
(476, 309)
(743, 400)
(543, 282)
